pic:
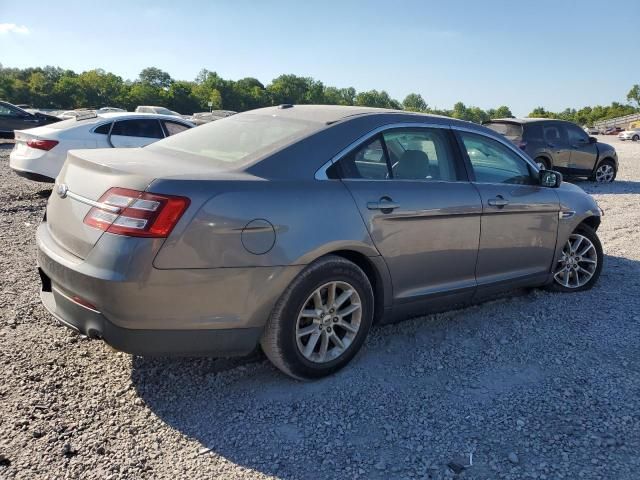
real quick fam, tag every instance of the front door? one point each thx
(422, 213)
(583, 152)
(555, 137)
(520, 217)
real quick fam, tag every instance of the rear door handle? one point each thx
(499, 201)
(385, 204)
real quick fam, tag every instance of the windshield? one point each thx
(239, 139)
(512, 131)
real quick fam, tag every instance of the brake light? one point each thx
(41, 144)
(137, 214)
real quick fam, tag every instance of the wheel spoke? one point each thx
(335, 339)
(585, 250)
(310, 313)
(303, 332)
(331, 294)
(588, 260)
(577, 243)
(348, 310)
(311, 344)
(347, 326)
(317, 300)
(344, 296)
(585, 271)
(324, 345)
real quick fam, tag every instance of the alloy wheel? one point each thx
(328, 322)
(578, 263)
(605, 173)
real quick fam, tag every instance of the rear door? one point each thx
(421, 211)
(136, 132)
(519, 219)
(583, 152)
(555, 138)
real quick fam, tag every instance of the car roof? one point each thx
(101, 117)
(328, 114)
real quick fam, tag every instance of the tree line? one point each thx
(57, 88)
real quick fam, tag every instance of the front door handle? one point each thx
(385, 204)
(499, 201)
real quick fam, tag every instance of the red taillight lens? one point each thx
(41, 144)
(141, 214)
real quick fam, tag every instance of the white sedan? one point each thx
(633, 135)
(39, 153)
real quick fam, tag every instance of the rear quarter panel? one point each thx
(261, 223)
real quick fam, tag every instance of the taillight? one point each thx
(136, 214)
(41, 144)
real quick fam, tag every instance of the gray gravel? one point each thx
(539, 385)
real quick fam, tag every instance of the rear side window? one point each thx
(512, 131)
(403, 154)
(145, 128)
(103, 129)
(174, 127)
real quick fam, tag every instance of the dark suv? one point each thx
(561, 146)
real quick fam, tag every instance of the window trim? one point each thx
(110, 122)
(472, 174)
(164, 128)
(115, 120)
(321, 173)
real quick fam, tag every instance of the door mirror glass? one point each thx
(550, 178)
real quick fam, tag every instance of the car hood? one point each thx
(605, 147)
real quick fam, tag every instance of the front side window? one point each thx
(403, 154)
(493, 162)
(145, 128)
(576, 135)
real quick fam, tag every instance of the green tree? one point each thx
(375, 98)
(634, 95)
(155, 77)
(414, 103)
(501, 112)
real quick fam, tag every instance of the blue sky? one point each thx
(555, 54)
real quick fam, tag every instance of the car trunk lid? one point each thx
(83, 179)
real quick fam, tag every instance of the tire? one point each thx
(541, 161)
(597, 175)
(569, 280)
(282, 341)
(635, 138)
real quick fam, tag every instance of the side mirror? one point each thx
(550, 178)
(593, 140)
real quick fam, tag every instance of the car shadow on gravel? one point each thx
(616, 187)
(420, 383)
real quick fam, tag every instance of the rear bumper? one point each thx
(89, 322)
(142, 310)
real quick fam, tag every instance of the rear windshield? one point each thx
(512, 131)
(239, 139)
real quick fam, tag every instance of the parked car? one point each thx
(633, 135)
(562, 146)
(296, 228)
(39, 153)
(13, 118)
(109, 109)
(158, 110)
(612, 131)
(591, 130)
(201, 118)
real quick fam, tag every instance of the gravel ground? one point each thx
(536, 386)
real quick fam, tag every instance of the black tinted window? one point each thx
(512, 131)
(576, 135)
(146, 128)
(533, 133)
(103, 129)
(554, 134)
(174, 127)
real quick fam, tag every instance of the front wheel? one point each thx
(605, 173)
(543, 163)
(635, 138)
(321, 320)
(580, 264)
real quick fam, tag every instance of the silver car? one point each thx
(298, 227)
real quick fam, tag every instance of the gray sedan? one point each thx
(298, 227)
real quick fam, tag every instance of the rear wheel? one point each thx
(580, 264)
(635, 138)
(605, 173)
(321, 320)
(543, 163)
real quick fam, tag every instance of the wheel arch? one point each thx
(376, 271)
(545, 156)
(592, 221)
